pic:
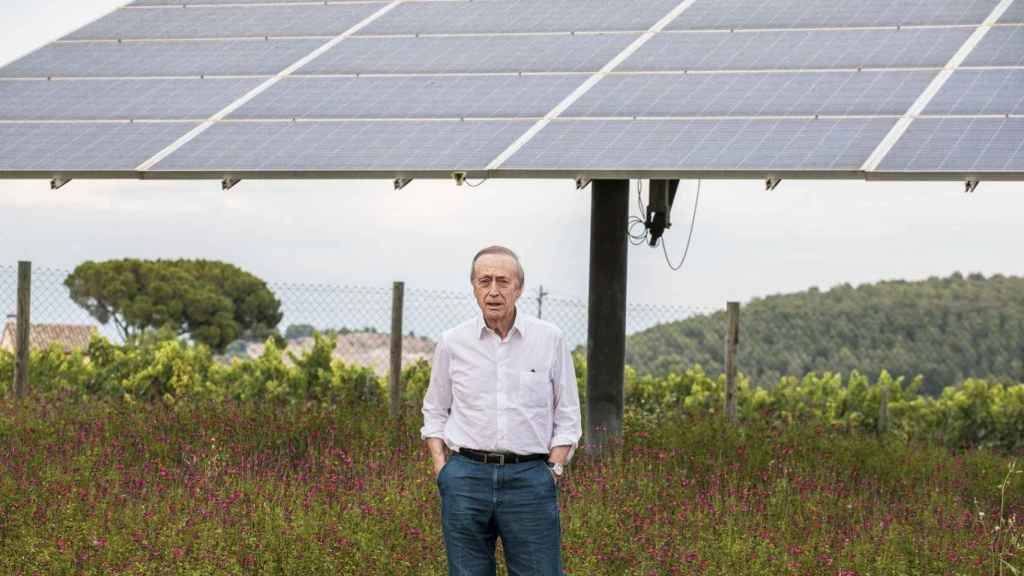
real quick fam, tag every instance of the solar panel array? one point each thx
(558, 88)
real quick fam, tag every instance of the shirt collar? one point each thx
(518, 325)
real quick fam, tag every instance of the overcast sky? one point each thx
(748, 242)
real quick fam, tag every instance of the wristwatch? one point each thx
(557, 468)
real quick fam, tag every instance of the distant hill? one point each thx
(945, 329)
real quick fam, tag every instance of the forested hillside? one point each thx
(945, 329)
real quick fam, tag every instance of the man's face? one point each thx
(496, 286)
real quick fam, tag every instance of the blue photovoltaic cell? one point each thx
(959, 145)
(353, 145)
(227, 21)
(1001, 46)
(918, 47)
(202, 2)
(980, 92)
(1014, 14)
(53, 147)
(558, 53)
(787, 144)
(747, 14)
(752, 94)
(521, 16)
(185, 58)
(118, 99)
(411, 97)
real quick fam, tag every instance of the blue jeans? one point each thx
(516, 502)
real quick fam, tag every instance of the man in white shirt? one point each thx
(503, 399)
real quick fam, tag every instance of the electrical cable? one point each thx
(689, 238)
(471, 185)
(641, 238)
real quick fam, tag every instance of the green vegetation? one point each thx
(974, 413)
(211, 302)
(946, 330)
(99, 486)
(143, 457)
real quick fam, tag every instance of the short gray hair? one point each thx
(501, 250)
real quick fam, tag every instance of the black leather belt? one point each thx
(499, 457)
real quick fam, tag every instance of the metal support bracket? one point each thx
(229, 183)
(582, 183)
(460, 178)
(58, 183)
(661, 194)
(772, 183)
(970, 186)
(402, 183)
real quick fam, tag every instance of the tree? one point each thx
(211, 302)
(296, 331)
(945, 329)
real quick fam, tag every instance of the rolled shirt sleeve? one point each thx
(437, 402)
(567, 429)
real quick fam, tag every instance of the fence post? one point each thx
(395, 381)
(883, 411)
(540, 301)
(732, 340)
(21, 341)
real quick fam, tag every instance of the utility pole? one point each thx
(540, 301)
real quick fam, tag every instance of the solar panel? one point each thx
(147, 59)
(800, 49)
(237, 21)
(479, 54)
(703, 145)
(1002, 46)
(524, 88)
(1014, 14)
(363, 147)
(87, 147)
(748, 14)
(981, 92)
(485, 96)
(960, 145)
(522, 16)
(755, 94)
(118, 99)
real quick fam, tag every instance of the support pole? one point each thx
(883, 411)
(395, 380)
(606, 312)
(732, 341)
(23, 326)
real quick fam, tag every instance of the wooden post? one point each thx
(883, 410)
(23, 326)
(732, 341)
(395, 381)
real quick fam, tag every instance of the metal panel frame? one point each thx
(516, 174)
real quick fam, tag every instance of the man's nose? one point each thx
(493, 289)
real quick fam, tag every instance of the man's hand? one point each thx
(437, 454)
(559, 454)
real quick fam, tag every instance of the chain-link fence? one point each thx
(943, 329)
(358, 316)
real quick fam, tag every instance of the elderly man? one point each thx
(503, 399)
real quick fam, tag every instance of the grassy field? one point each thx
(107, 487)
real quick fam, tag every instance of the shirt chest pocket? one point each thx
(533, 390)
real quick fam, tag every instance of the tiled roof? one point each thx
(70, 337)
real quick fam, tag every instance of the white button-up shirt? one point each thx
(514, 395)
